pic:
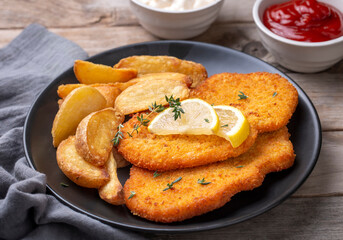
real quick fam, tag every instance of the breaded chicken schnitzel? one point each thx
(169, 152)
(266, 99)
(186, 198)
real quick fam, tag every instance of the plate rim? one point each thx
(166, 229)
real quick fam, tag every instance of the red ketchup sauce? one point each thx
(304, 20)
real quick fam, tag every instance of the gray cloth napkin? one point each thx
(27, 64)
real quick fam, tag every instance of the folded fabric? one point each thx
(27, 65)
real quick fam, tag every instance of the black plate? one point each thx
(304, 127)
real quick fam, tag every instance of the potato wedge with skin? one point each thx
(59, 102)
(64, 89)
(90, 73)
(77, 105)
(94, 135)
(155, 64)
(140, 96)
(120, 160)
(112, 192)
(77, 169)
(165, 75)
(109, 92)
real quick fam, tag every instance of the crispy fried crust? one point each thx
(271, 98)
(168, 152)
(156, 64)
(272, 152)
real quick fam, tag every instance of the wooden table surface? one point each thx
(315, 211)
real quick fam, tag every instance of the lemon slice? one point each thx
(199, 118)
(233, 126)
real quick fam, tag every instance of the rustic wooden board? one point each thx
(327, 177)
(94, 39)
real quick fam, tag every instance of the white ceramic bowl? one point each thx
(306, 57)
(176, 24)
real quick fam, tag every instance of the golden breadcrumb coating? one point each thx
(168, 152)
(270, 103)
(187, 198)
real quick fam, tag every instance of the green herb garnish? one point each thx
(64, 184)
(156, 174)
(132, 193)
(202, 181)
(119, 135)
(176, 105)
(170, 185)
(274, 94)
(226, 125)
(144, 120)
(240, 166)
(242, 96)
(206, 120)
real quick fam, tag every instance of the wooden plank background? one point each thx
(315, 211)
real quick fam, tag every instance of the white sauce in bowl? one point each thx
(177, 5)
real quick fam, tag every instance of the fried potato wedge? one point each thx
(89, 73)
(120, 160)
(77, 169)
(64, 89)
(94, 135)
(110, 93)
(140, 96)
(112, 192)
(77, 105)
(165, 75)
(155, 64)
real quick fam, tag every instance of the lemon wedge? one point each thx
(198, 118)
(233, 126)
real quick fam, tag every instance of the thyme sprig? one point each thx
(170, 185)
(202, 181)
(156, 174)
(144, 120)
(226, 125)
(119, 135)
(240, 166)
(132, 194)
(274, 94)
(242, 96)
(176, 105)
(64, 184)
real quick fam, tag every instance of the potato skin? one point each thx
(77, 169)
(84, 142)
(112, 192)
